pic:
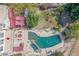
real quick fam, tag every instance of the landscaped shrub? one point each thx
(32, 19)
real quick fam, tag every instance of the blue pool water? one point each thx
(44, 42)
(34, 47)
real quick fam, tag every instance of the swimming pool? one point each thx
(44, 42)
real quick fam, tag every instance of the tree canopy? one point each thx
(73, 10)
(20, 7)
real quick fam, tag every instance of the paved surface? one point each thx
(76, 50)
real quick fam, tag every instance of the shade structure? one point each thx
(20, 21)
(11, 18)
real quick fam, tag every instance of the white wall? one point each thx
(4, 16)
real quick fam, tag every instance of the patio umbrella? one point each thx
(11, 18)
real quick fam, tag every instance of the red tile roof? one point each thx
(11, 17)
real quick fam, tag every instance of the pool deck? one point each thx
(43, 33)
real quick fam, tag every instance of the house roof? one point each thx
(64, 18)
(20, 18)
